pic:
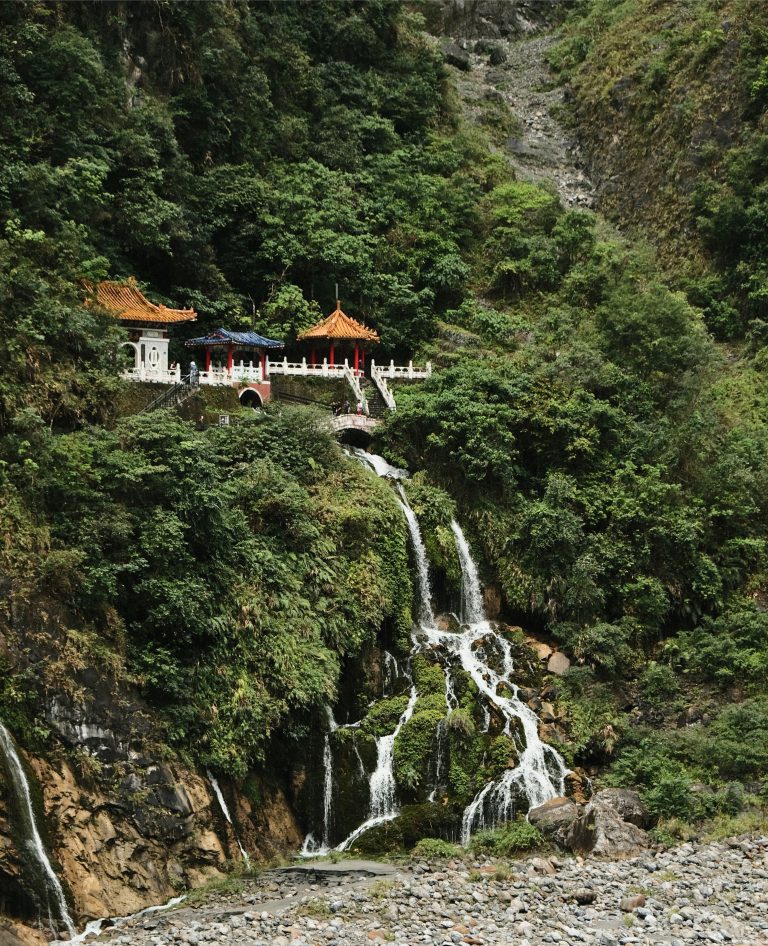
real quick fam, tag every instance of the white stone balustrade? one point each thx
(152, 375)
(304, 369)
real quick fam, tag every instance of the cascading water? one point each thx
(32, 839)
(328, 779)
(383, 803)
(478, 648)
(540, 771)
(225, 811)
(391, 673)
(440, 747)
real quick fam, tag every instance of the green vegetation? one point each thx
(514, 838)
(227, 574)
(436, 847)
(693, 77)
(604, 451)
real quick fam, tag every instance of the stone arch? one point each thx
(135, 348)
(354, 436)
(251, 398)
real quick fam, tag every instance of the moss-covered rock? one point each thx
(414, 746)
(383, 716)
(412, 824)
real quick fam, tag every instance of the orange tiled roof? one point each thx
(340, 325)
(125, 301)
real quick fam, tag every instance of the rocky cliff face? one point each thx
(125, 826)
(491, 19)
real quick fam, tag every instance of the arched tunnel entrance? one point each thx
(354, 437)
(251, 398)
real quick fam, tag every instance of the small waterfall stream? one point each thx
(32, 839)
(225, 811)
(540, 771)
(383, 803)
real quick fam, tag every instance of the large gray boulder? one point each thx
(628, 804)
(601, 830)
(555, 818)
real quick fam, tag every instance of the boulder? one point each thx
(555, 818)
(577, 786)
(497, 56)
(455, 56)
(628, 804)
(601, 830)
(558, 663)
(543, 651)
(628, 904)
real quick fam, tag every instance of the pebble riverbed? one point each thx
(695, 893)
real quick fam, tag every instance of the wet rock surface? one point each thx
(513, 74)
(695, 893)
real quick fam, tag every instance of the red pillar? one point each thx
(230, 358)
(330, 358)
(312, 357)
(357, 357)
(362, 355)
(207, 359)
(263, 358)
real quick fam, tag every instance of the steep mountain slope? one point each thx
(669, 99)
(177, 599)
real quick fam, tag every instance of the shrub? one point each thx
(513, 838)
(659, 684)
(435, 847)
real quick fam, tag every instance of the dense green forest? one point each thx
(606, 448)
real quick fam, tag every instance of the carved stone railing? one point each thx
(304, 369)
(392, 372)
(354, 383)
(152, 375)
(380, 381)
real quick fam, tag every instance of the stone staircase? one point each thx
(376, 405)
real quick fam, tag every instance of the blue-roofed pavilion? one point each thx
(225, 340)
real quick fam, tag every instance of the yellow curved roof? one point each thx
(126, 301)
(340, 325)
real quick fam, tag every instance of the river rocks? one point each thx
(694, 894)
(555, 818)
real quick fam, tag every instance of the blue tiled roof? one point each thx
(223, 336)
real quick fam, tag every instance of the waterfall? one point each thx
(328, 778)
(426, 614)
(440, 746)
(383, 803)
(540, 771)
(32, 839)
(472, 610)
(225, 811)
(391, 673)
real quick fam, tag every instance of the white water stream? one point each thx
(32, 839)
(94, 928)
(486, 656)
(383, 803)
(225, 811)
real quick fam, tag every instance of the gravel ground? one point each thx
(715, 893)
